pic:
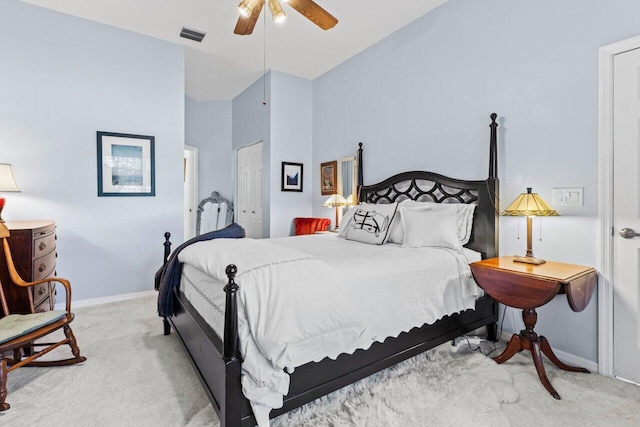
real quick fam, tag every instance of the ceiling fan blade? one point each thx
(246, 24)
(314, 13)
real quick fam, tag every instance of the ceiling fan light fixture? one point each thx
(276, 11)
(245, 7)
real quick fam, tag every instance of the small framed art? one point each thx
(328, 175)
(291, 176)
(126, 165)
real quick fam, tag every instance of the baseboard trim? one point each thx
(574, 360)
(105, 300)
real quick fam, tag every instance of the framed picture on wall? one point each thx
(291, 176)
(328, 177)
(126, 165)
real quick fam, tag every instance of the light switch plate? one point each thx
(568, 196)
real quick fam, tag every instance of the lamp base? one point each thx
(528, 260)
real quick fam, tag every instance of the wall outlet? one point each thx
(568, 196)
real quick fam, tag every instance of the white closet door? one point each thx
(250, 190)
(256, 191)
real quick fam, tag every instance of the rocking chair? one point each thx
(18, 331)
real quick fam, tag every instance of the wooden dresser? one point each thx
(33, 246)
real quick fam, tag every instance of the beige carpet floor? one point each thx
(135, 376)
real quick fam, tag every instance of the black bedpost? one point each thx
(231, 414)
(360, 170)
(493, 148)
(167, 247)
(165, 257)
(494, 189)
(231, 349)
(158, 276)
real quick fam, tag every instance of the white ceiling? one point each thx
(224, 64)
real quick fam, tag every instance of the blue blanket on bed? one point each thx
(170, 273)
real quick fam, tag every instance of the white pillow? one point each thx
(345, 221)
(396, 234)
(463, 214)
(371, 223)
(435, 228)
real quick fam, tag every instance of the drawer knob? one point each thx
(42, 246)
(41, 291)
(42, 267)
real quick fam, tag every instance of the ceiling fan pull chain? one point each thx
(264, 60)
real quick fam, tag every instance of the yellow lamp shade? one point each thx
(529, 204)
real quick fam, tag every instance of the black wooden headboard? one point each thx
(432, 187)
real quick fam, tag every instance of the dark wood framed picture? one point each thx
(291, 176)
(328, 177)
(126, 165)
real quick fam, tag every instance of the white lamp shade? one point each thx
(7, 183)
(335, 200)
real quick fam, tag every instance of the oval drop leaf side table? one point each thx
(528, 286)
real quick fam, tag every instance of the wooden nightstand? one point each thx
(527, 287)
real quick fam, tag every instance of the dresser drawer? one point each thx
(40, 293)
(44, 245)
(44, 266)
(43, 305)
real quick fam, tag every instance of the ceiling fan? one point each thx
(250, 11)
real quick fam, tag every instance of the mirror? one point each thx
(347, 178)
(214, 213)
(348, 181)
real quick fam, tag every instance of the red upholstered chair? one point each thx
(310, 225)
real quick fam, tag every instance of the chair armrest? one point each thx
(64, 282)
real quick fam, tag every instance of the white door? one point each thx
(190, 205)
(626, 207)
(250, 190)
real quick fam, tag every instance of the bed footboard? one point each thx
(217, 363)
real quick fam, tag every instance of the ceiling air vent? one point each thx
(190, 34)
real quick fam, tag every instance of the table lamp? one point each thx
(7, 184)
(336, 201)
(529, 204)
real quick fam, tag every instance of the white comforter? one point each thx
(388, 289)
(396, 288)
(293, 309)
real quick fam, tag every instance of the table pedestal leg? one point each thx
(537, 345)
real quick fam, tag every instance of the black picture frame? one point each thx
(126, 165)
(292, 174)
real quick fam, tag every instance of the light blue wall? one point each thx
(284, 126)
(291, 136)
(421, 99)
(251, 123)
(208, 127)
(62, 79)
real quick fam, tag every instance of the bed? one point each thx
(216, 356)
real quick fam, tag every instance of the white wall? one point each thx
(62, 79)
(208, 127)
(421, 99)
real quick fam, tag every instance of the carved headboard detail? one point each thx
(432, 187)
